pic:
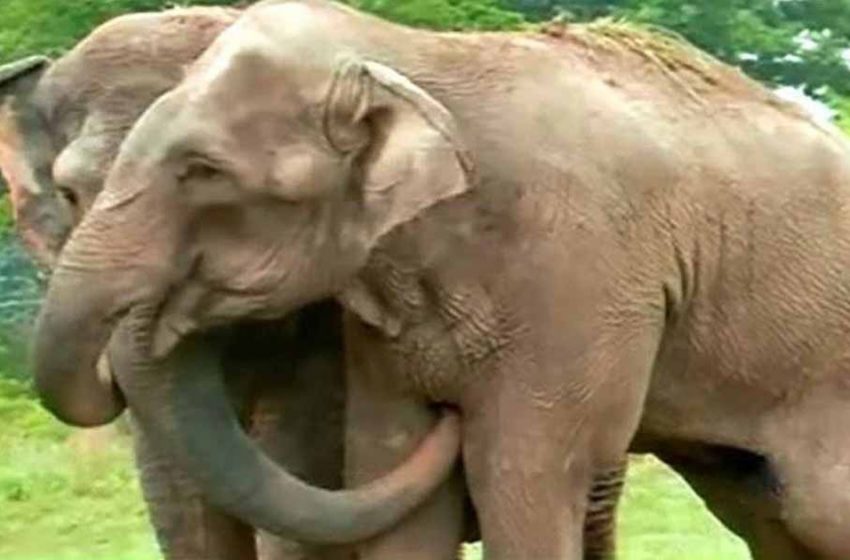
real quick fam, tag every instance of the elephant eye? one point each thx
(69, 195)
(200, 171)
(207, 182)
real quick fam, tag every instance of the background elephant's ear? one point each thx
(23, 142)
(406, 143)
(11, 73)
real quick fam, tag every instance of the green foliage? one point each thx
(20, 290)
(60, 498)
(21, 415)
(444, 14)
(797, 43)
(52, 26)
(841, 106)
(5, 213)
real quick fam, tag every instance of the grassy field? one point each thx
(68, 496)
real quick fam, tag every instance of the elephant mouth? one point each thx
(187, 400)
(262, 361)
(199, 308)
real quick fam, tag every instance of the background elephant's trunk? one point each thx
(182, 402)
(102, 273)
(73, 328)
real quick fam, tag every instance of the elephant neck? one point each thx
(432, 289)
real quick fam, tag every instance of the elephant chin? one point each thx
(181, 400)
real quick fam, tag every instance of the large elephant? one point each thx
(563, 237)
(103, 85)
(61, 125)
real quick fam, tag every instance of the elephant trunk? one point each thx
(106, 276)
(73, 328)
(102, 274)
(182, 401)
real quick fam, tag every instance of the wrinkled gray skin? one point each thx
(80, 109)
(60, 128)
(671, 253)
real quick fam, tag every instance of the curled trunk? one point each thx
(182, 401)
(73, 328)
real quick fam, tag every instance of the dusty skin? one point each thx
(62, 126)
(667, 258)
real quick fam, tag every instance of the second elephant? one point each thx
(61, 125)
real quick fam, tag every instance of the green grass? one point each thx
(662, 519)
(62, 496)
(67, 497)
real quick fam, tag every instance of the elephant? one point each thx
(61, 125)
(664, 265)
(100, 99)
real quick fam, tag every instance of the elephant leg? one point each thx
(187, 528)
(528, 482)
(291, 375)
(298, 422)
(600, 523)
(810, 454)
(534, 441)
(380, 435)
(383, 427)
(739, 489)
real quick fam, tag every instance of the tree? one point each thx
(52, 26)
(444, 14)
(790, 42)
(575, 10)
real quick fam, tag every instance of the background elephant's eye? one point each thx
(200, 171)
(69, 195)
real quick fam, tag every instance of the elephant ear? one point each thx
(17, 119)
(13, 71)
(406, 144)
(17, 78)
(16, 82)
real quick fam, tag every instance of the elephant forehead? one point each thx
(276, 50)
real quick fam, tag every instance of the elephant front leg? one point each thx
(529, 492)
(381, 435)
(298, 422)
(533, 455)
(186, 526)
(383, 427)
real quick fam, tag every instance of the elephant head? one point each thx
(62, 122)
(247, 209)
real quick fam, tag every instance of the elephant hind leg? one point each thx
(600, 523)
(816, 502)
